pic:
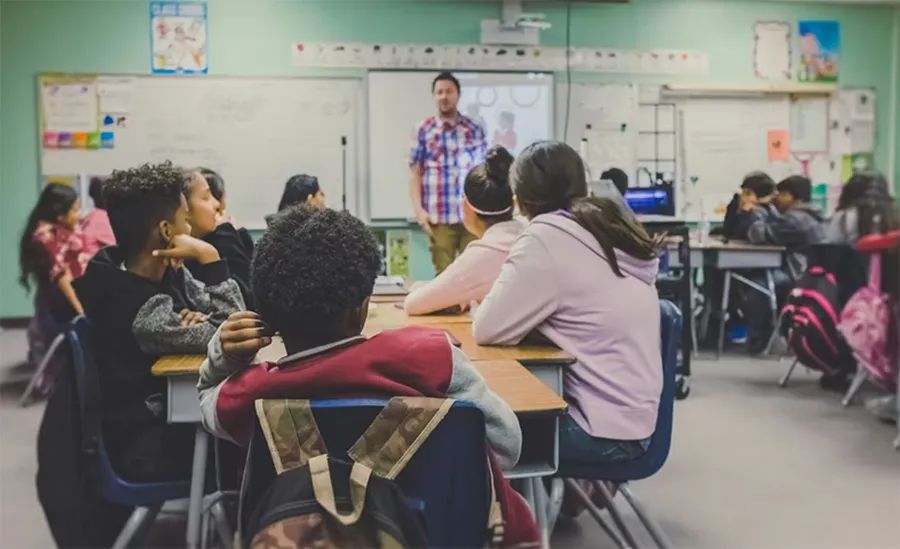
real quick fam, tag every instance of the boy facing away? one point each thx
(312, 277)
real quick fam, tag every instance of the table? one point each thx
(537, 406)
(730, 256)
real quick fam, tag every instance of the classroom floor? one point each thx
(752, 466)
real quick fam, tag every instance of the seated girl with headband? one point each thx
(488, 214)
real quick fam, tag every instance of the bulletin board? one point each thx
(255, 131)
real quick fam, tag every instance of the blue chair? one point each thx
(621, 473)
(146, 498)
(447, 479)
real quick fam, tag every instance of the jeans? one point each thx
(576, 446)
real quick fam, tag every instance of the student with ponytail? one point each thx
(582, 275)
(487, 214)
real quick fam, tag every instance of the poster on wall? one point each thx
(772, 50)
(178, 37)
(820, 49)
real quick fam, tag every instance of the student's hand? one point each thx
(243, 334)
(185, 246)
(191, 318)
(424, 221)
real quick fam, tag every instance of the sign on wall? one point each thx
(178, 37)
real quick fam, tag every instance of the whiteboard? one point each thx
(255, 131)
(398, 102)
(723, 140)
(611, 110)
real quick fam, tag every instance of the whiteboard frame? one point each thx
(362, 158)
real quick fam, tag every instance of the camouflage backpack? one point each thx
(317, 500)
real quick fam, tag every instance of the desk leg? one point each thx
(726, 292)
(198, 481)
(540, 511)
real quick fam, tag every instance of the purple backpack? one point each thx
(809, 323)
(866, 325)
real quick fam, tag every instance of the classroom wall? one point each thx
(253, 38)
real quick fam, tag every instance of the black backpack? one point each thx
(323, 501)
(809, 323)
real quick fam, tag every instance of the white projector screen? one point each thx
(400, 100)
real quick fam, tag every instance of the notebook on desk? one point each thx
(390, 285)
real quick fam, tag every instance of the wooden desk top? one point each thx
(521, 389)
(385, 316)
(521, 353)
(512, 382)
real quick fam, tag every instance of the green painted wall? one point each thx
(253, 37)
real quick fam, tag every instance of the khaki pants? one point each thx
(447, 241)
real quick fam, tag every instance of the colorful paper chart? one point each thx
(79, 140)
(65, 140)
(107, 140)
(93, 140)
(51, 140)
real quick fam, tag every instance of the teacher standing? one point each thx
(446, 147)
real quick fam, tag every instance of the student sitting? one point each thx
(302, 189)
(864, 202)
(313, 275)
(583, 276)
(793, 223)
(235, 246)
(487, 214)
(95, 226)
(143, 305)
(51, 255)
(619, 179)
(757, 192)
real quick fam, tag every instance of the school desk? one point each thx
(537, 406)
(728, 257)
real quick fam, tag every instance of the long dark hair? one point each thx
(55, 200)
(487, 187)
(549, 176)
(297, 189)
(215, 181)
(875, 209)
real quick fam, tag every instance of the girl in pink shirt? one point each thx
(487, 214)
(95, 226)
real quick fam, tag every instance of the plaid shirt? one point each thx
(446, 152)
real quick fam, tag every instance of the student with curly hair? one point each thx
(142, 304)
(313, 275)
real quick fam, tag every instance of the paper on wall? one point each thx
(778, 145)
(809, 124)
(772, 50)
(862, 136)
(115, 94)
(69, 107)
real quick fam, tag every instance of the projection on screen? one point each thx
(513, 112)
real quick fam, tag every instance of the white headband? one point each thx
(482, 212)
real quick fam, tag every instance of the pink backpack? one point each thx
(866, 325)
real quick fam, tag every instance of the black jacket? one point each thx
(136, 320)
(235, 247)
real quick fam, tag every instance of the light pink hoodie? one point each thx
(557, 280)
(470, 276)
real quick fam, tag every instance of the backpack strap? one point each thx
(875, 272)
(495, 513)
(324, 490)
(291, 432)
(398, 432)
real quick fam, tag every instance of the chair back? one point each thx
(447, 479)
(111, 486)
(658, 451)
